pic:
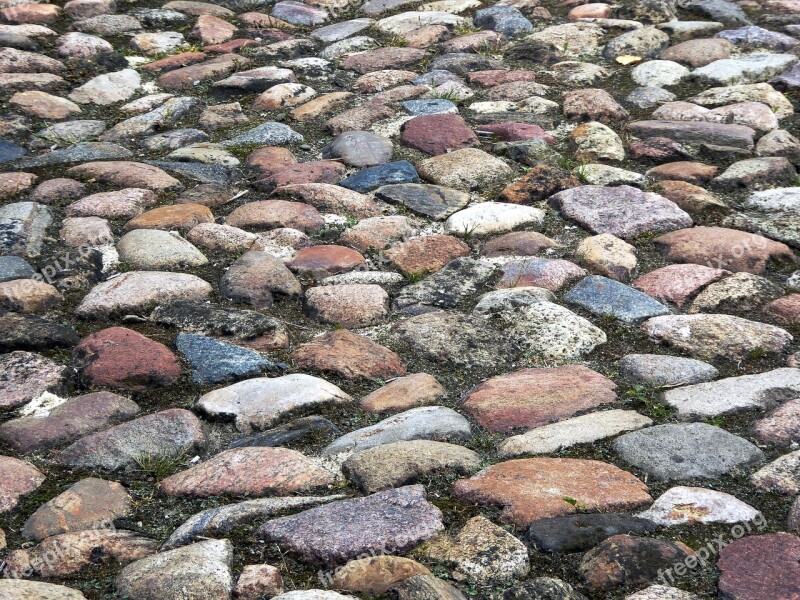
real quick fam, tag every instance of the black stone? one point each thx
(543, 588)
(28, 332)
(299, 429)
(199, 317)
(576, 533)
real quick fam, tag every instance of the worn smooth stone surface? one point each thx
(533, 488)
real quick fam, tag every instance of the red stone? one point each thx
(268, 159)
(230, 46)
(535, 488)
(17, 478)
(534, 397)
(324, 260)
(426, 253)
(176, 61)
(438, 134)
(492, 78)
(678, 284)
(518, 243)
(551, 274)
(122, 358)
(319, 171)
(761, 567)
(269, 214)
(722, 248)
(785, 310)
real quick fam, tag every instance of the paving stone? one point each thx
(772, 566)
(88, 505)
(435, 423)
(26, 376)
(169, 433)
(246, 400)
(565, 433)
(533, 397)
(679, 505)
(466, 169)
(608, 298)
(37, 590)
(578, 533)
(622, 211)
(534, 488)
(781, 476)
(376, 575)
(401, 463)
(257, 471)
(29, 332)
(354, 305)
(404, 393)
(624, 560)
(19, 478)
(686, 451)
(398, 519)
(348, 355)
(660, 370)
(438, 134)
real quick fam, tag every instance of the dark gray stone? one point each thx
(200, 317)
(718, 10)
(433, 106)
(213, 361)
(266, 134)
(15, 267)
(29, 332)
(174, 139)
(294, 431)
(10, 151)
(578, 533)
(370, 178)
(77, 153)
(457, 282)
(753, 37)
(427, 587)
(432, 201)
(462, 63)
(543, 588)
(696, 132)
(20, 42)
(605, 297)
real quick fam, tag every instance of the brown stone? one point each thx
(657, 149)
(176, 61)
(253, 278)
(185, 77)
(404, 393)
(535, 488)
(324, 104)
(534, 397)
(625, 560)
(377, 233)
(81, 549)
(254, 472)
(678, 284)
(44, 105)
(331, 199)
(539, 183)
(231, 46)
(491, 78)
(426, 36)
(325, 260)
(12, 184)
(607, 255)
(122, 358)
(475, 41)
(90, 503)
(127, 174)
(761, 567)
(593, 105)
(67, 422)
(173, 216)
(377, 574)
(518, 243)
(268, 159)
(258, 581)
(361, 117)
(426, 254)
(698, 53)
(270, 214)
(382, 58)
(350, 305)
(691, 198)
(688, 171)
(348, 355)
(38, 14)
(722, 248)
(212, 30)
(28, 296)
(17, 478)
(264, 21)
(596, 10)
(785, 310)
(318, 171)
(438, 134)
